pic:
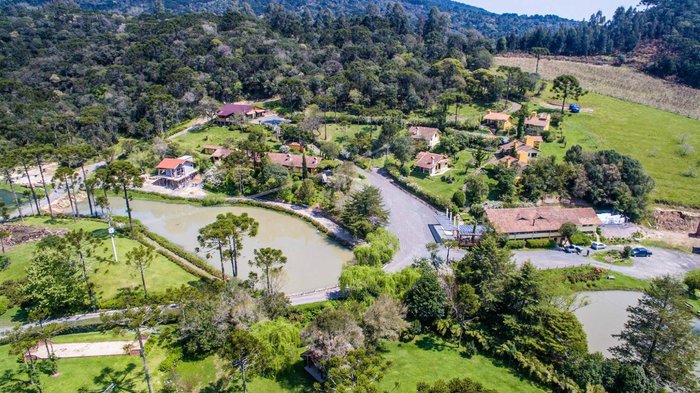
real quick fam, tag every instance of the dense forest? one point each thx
(463, 16)
(669, 29)
(67, 72)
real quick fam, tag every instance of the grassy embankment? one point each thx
(654, 137)
(624, 83)
(108, 277)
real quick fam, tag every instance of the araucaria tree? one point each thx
(123, 176)
(214, 237)
(365, 211)
(234, 228)
(565, 87)
(271, 262)
(140, 258)
(83, 246)
(659, 336)
(246, 354)
(135, 319)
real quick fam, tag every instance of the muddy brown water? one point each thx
(605, 315)
(313, 260)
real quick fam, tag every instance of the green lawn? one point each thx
(343, 133)
(213, 135)
(108, 277)
(650, 135)
(621, 281)
(92, 374)
(434, 184)
(428, 359)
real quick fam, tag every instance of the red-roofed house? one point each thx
(175, 172)
(539, 122)
(216, 153)
(498, 121)
(541, 222)
(432, 164)
(294, 162)
(236, 113)
(428, 134)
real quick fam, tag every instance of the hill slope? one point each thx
(463, 16)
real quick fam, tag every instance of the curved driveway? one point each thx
(410, 220)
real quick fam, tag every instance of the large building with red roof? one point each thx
(236, 113)
(541, 222)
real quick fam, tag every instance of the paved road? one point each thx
(662, 262)
(410, 220)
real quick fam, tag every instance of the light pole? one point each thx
(114, 246)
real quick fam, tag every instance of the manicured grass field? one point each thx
(650, 135)
(445, 190)
(92, 374)
(428, 359)
(108, 277)
(214, 135)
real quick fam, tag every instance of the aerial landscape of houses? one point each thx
(349, 196)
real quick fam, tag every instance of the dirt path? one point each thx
(185, 262)
(194, 123)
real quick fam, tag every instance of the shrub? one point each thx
(213, 201)
(469, 350)
(4, 304)
(692, 281)
(581, 239)
(627, 252)
(540, 243)
(515, 244)
(459, 198)
(4, 262)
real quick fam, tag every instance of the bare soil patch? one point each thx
(81, 350)
(20, 234)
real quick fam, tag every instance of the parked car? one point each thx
(641, 252)
(598, 246)
(573, 249)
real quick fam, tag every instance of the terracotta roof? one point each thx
(512, 161)
(538, 120)
(539, 219)
(519, 146)
(293, 160)
(170, 163)
(534, 138)
(221, 153)
(427, 133)
(497, 116)
(238, 109)
(428, 160)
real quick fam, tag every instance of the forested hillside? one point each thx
(68, 72)
(669, 29)
(463, 16)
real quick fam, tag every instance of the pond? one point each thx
(313, 260)
(7, 198)
(605, 315)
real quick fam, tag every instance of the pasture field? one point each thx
(667, 145)
(620, 82)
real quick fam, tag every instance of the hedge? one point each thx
(515, 244)
(178, 251)
(437, 202)
(540, 243)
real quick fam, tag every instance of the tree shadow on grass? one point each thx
(126, 379)
(295, 379)
(14, 381)
(429, 343)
